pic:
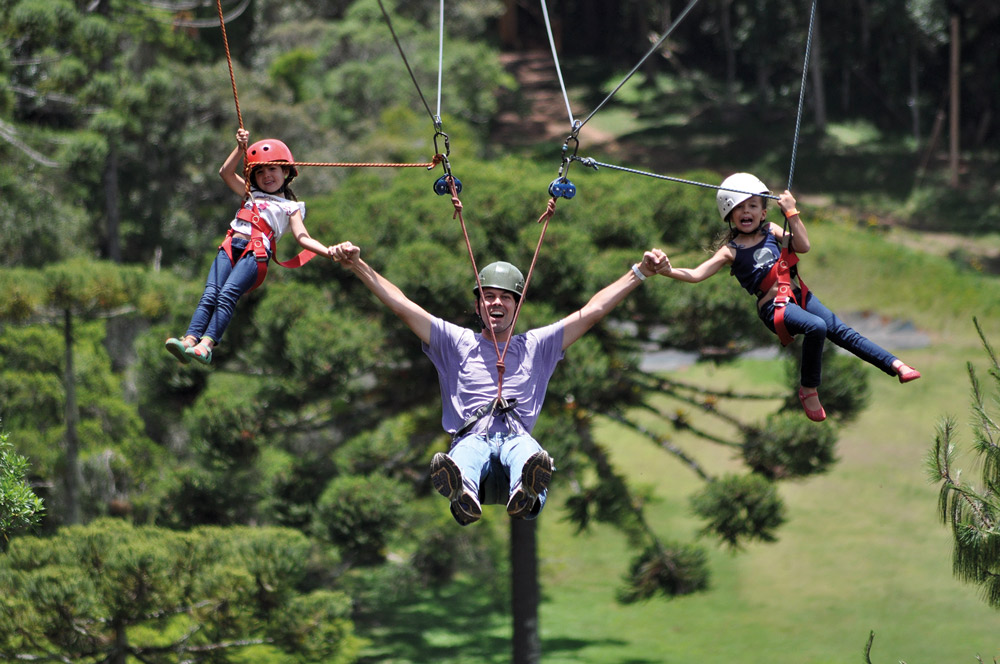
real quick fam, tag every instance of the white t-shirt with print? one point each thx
(275, 210)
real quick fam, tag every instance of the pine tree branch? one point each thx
(605, 470)
(9, 134)
(667, 384)
(680, 422)
(661, 441)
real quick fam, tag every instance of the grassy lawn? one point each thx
(862, 551)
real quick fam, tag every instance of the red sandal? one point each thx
(816, 415)
(906, 374)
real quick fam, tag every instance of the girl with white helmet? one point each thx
(267, 213)
(753, 251)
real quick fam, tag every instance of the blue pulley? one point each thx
(562, 188)
(441, 186)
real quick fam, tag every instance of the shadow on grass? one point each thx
(566, 647)
(457, 623)
(452, 623)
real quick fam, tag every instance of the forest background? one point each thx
(296, 466)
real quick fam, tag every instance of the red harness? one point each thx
(781, 273)
(259, 231)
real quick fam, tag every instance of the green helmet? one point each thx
(501, 275)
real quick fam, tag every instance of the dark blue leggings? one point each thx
(223, 287)
(816, 323)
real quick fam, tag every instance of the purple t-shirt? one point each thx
(466, 363)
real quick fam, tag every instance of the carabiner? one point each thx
(447, 143)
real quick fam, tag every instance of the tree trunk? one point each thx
(525, 595)
(914, 100)
(725, 26)
(73, 474)
(816, 74)
(112, 206)
(508, 26)
(954, 73)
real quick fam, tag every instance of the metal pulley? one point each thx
(562, 188)
(442, 186)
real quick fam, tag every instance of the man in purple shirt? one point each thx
(491, 431)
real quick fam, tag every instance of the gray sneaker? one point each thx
(447, 480)
(535, 477)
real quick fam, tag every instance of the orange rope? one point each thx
(550, 211)
(343, 164)
(229, 60)
(239, 116)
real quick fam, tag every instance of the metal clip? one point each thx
(447, 143)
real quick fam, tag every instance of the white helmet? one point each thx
(746, 185)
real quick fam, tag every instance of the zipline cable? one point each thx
(406, 62)
(576, 125)
(593, 163)
(440, 62)
(802, 93)
(555, 58)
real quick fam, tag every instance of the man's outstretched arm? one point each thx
(600, 305)
(415, 317)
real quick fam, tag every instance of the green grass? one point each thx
(862, 550)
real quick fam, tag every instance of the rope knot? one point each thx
(550, 210)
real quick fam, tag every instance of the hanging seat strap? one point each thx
(259, 231)
(782, 273)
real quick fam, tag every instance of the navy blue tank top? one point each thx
(752, 264)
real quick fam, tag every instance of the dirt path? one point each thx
(536, 113)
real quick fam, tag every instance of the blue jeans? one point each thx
(489, 463)
(225, 284)
(816, 323)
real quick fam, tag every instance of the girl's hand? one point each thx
(654, 261)
(242, 137)
(786, 201)
(345, 253)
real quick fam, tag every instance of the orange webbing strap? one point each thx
(260, 230)
(781, 272)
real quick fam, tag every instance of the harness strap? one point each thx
(499, 406)
(259, 230)
(782, 272)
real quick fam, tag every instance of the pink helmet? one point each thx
(271, 149)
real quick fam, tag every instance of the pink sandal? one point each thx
(816, 415)
(906, 374)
